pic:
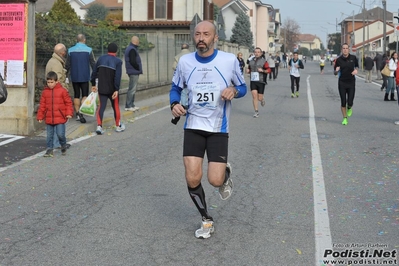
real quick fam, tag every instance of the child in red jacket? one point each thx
(55, 109)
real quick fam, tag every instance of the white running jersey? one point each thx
(206, 78)
(294, 71)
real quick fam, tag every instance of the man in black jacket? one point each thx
(368, 66)
(378, 63)
(108, 70)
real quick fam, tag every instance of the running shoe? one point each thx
(206, 229)
(292, 95)
(349, 112)
(99, 130)
(49, 153)
(256, 115)
(262, 102)
(226, 189)
(120, 128)
(77, 117)
(345, 121)
(397, 123)
(297, 94)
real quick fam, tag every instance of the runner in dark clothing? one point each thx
(346, 68)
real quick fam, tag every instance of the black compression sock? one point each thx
(197, 195)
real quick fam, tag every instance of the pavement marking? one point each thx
(10, 138)
(40, 154)
(321, 219)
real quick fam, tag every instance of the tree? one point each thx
(95, 13)
(242, 34)
(304, 51)
(216, 10)
(290, 33)
(62, 12)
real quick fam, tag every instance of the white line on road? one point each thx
(40, 154)
(321, 218)
(10, 138)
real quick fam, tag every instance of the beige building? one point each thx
(309, 41)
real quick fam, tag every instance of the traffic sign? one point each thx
(395, 18)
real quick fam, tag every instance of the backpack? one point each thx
(3, 90)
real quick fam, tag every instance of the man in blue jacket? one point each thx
(133, 69)
(80, 59)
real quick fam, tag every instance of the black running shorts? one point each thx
(258, 86)
(196, 142)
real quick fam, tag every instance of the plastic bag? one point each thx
(3, 90)
(89, 106)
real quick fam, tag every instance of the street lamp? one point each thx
(364, 30)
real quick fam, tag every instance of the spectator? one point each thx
(241, 62)
(277, 61)
(378, 63)
(368, 66)
(284, 60)
(272, 66)
(80, 60)
(393, 62)
(108, 70)
(133, 69)
(55, 109)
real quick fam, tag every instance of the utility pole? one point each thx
(364, 31)
(384, 28)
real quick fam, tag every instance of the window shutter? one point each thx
(150, 9)
(206, 10)
(251, 13)
(169, 10)
(211, 11)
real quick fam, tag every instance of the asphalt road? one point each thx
(304, 184)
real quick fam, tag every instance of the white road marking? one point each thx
(40, 154)
(10, 138)
(321, 219)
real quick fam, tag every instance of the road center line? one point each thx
(321, 217)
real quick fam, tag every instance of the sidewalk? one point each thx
(148, 101)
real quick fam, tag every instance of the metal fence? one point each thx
(157, 51)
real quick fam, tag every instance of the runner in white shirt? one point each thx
(213, 79)
(293, 67)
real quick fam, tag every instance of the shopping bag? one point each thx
(3, 90)
(89, 106)
(385, 71)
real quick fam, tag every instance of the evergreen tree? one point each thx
(62, 12)
(242, 34)
(95, 13)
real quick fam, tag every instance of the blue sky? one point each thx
(320, 16)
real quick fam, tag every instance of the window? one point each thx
(160, 9)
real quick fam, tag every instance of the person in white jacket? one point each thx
(393, 64)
